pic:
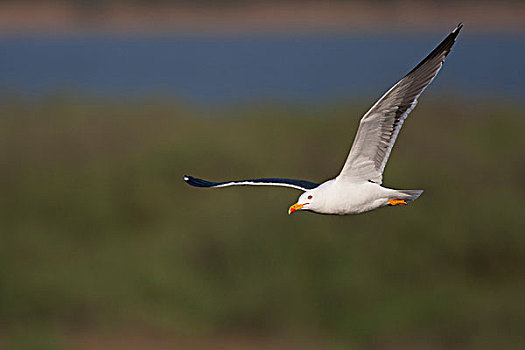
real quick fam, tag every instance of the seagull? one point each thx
(357, 189)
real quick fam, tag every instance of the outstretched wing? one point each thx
(297, 184)
(380, 126)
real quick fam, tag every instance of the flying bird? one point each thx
(357, 188)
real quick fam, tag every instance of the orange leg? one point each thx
(397, 202)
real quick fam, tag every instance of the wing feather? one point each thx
(302, 185)
(380, 126)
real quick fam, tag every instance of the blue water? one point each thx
(237, 69)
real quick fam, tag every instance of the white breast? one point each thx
(338, 197)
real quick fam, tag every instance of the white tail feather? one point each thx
(409, 195)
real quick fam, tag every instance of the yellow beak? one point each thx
(294, 208)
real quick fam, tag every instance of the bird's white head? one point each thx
(305, 202)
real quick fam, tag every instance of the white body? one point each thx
(339, 197)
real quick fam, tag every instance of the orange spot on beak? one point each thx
(295, 207)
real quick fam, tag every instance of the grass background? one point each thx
(99, 233)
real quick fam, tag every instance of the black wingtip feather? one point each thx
(193, 181)
(443, 47)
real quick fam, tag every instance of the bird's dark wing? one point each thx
(302, 185)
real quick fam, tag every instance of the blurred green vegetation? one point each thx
(99, 232)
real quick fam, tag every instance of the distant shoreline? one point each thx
(259, 17)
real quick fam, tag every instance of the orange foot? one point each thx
(397, 202)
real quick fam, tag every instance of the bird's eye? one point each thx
(309, 197)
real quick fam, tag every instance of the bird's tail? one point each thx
(409, 195)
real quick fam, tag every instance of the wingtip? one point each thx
(458, 28)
